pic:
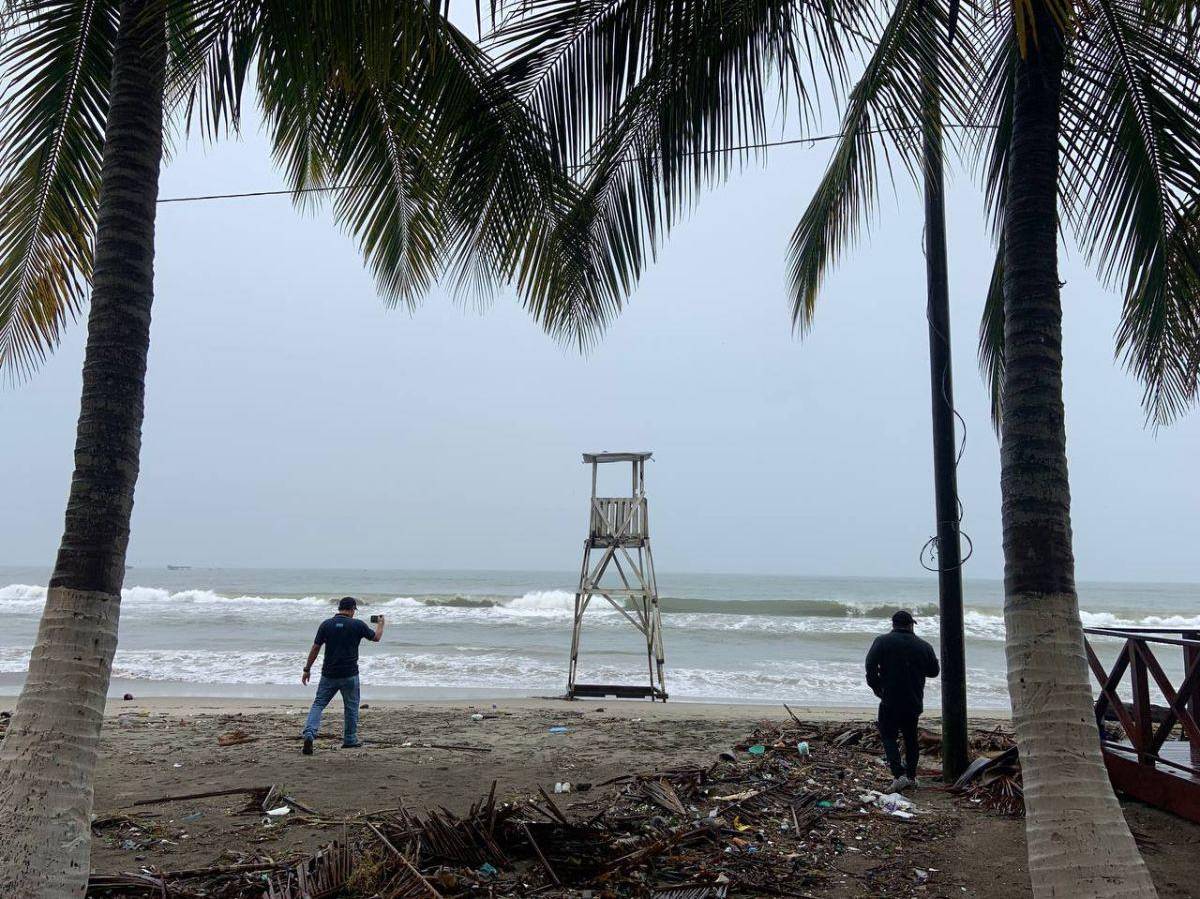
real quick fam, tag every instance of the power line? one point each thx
(741, 148)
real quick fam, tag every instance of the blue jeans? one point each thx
(326, 689)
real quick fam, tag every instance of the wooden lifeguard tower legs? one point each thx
(619, 533)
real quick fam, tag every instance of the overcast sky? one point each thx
(293, 421)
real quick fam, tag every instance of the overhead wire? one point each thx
(712, 151)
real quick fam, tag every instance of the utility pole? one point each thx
(945, 461)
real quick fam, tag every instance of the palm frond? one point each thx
(991, 336)
(887, 108)
(1131, 175)
(56, 63)
(442, 172)
(644, 100)
(992, 111)
(578, 62)
(213, 45)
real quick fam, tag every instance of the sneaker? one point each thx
(899, 785)
(307, 750)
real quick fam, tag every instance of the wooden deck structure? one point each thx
(1149, 765)
(619, 530)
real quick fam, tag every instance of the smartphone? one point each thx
(374, 619)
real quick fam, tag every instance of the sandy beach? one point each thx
(162, 747)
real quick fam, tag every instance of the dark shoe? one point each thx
(357, 745)
(307, 750)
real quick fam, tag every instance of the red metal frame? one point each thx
(1148, 766)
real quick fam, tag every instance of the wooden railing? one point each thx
(622, 519)
(1147, 726)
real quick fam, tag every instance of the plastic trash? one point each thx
(825, 803)
(727, 756)
(478, 716)
(802, 747)
(563, 787)
(279, 812)
(488, 870)
(757, 749)
(889, 802)
(560, 729)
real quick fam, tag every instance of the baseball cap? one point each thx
(347, 602)
(903, 618)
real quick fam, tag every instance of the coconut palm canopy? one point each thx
(645, 98)
(438, 172)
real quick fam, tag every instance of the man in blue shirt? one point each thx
(340, 635)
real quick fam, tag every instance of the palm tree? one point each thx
(439, 173)
(1094, 100)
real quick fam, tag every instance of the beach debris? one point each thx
(776, 823)
(318, 877)
(128, 697)
(559, 729)
(994, 782)
(205, 795)
(235, 738)
(478, 716)
(802, 748)
(414, 744)
(103, 885)
(280, 811)
(757, 749)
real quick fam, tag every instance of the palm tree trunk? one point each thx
(1079, 843)
(48, 757)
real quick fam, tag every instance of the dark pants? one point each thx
(903, 722)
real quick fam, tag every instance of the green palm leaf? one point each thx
(55, 63)
(1130, 173)
(991, 336)
(646, 98)
(433, 164)
(886, 110)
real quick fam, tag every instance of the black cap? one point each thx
(347, 603)
(903, 619)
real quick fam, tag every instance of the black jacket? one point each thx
(897, 666)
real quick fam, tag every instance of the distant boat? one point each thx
(179, 568)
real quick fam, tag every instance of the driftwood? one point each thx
(183, 797)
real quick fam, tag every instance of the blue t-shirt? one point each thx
(340, 635)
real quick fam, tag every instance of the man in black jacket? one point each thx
(897, 666)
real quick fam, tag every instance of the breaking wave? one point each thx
(531, 609)
(832, 683)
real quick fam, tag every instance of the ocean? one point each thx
(749, 638)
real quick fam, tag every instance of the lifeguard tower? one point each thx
(619, 530)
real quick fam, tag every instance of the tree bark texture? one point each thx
(48, 757)
(1079, 843)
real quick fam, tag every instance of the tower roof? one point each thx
(616, 457)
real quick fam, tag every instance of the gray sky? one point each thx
(293, 421)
